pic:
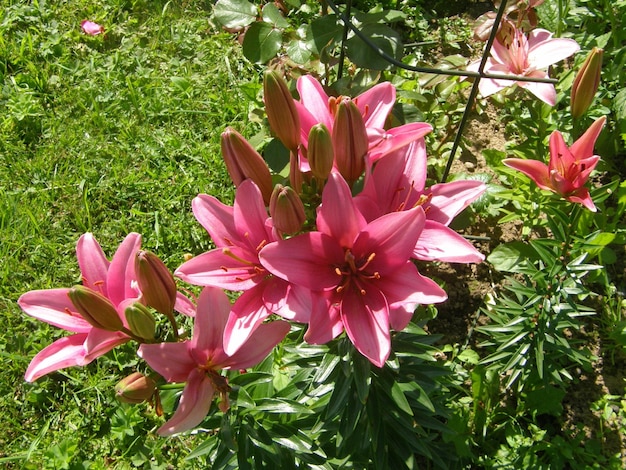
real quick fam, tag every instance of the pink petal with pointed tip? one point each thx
(544, 91)
(399, 137)
(170, 360)
(408, 287)
(376, 103)
(216, 218)
(547, 52)
(315, 99)
(64, 352)
(218, 269)
(449, 199)
(122, 270)
(247, 314)
(194, 405)
(93, 263)
(209, 324)
(184, 305)
(440, 243)
(583, 147)
(250, 215)
(534, 169)
(287, 300)
(99, 342)
(366, 321)
(391, 238)
(583, 197)
(258, 346)
(325, 323)
(54, 307)
(338, 216)
(561, 158)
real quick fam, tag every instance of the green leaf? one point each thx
(234, 13)
(509, 256)
(469, 355)
(275, 405)
(385, 39)
(398, 397)
(299, 52)
(273, 16)
(261, 42)
(323, 33)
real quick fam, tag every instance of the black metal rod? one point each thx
(473, 92)
(413, 68)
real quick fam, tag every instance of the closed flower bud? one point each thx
(287, 210)
(350, 141)
(135, 389)
(243, 162)
(281, 110)
(140, 321)
(586, 83)
(95, 308)
(320, 152)
(156, 282)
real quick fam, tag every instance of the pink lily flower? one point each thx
(397, 183)
(239, 233)
(359, 272)
(91, 28)
(375, 104)
(568, 169)
(198, 361)
(114, 280)
(525, 56)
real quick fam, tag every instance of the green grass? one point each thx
(110, 135)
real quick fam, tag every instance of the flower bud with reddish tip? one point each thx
(244, 162)
(135, 389)
(281, 110)
(140, 321)
(156, 282)
(320, 153)
(586, 82)
(95, 308)
(287, 210)
(349, 141)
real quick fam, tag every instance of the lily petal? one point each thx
(54, 307)
(216, 218)
(170, 360)
(376, 103)
(366, 321)
(536, 170)
(231, 268)
(194, 405)
(338, 215)
(209, 324)
(449, 199)
(583, 147)
(93, 263)
(64, 352)
(261, 342)
(122, 270)
(440, 243)
(247, 314)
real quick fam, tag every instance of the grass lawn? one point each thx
(108, 134)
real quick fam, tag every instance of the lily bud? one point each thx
(286, 209)
(350, 141)
(140, 321)
(95, 308)
(586, 82)
(135, 389)
(156, 282)
(320, 152)
(281, 110)
(243, 162)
